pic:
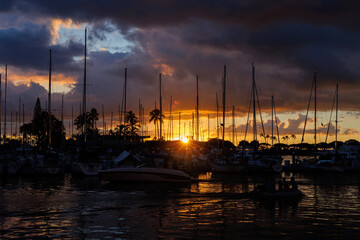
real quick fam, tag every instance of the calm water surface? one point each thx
(211, 208)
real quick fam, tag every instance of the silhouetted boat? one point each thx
(278, 195)
(145, 174)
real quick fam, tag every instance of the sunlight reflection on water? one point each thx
(84, 208)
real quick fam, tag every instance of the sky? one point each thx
(286, 40)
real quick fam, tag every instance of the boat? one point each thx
(278, 195)
(221, 166)
(144, 174)
(42, 164)
(257, 161)
(131, 168)
(265, 163)
(86, 168)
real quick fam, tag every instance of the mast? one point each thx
(254, 112)
(272, 120)
(62, 120)
(11, 125)
(254, 106)
(171, 128)
(125, 96)
(23, 113)
(336, 120)
(72, 121)
(84, 92)
(233, 124)
(197, 108)
(5, 103)
(208, 127)
(16, 124)
(179, 124)
(140, 114)
(111, 120)
(49, 101)
(19, 115)
(103, 117)
(224, 98)
(315, 72)
(193, 126)
(160, 138)
(217, 119)
(0, 107)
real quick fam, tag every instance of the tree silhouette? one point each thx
(155, 117)
(91, 118)
(132, 125)
(39, 125)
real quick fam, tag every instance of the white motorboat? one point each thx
(145, 174)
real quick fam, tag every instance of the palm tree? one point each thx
(91, 118)
(286, 138)
(133, 123)
(293, 137)
(155, 117)
(121, 130)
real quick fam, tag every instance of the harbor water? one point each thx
(210, 207)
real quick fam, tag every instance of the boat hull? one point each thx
(145, 175)
(279, 195)
(86, 168)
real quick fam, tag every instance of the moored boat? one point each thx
(279, 195)
(145, 174)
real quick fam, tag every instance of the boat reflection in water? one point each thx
(209, 208)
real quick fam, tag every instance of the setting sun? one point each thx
(185, 140)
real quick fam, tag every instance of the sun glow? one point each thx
(185, 140)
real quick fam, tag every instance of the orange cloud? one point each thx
(165, 69)
(60, 82)
(57, 23)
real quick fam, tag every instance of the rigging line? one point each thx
(332, 108)
(258, 101)
(247, 121)
(307, 111)
(276, 123)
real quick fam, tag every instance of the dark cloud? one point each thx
(287, 40)
(28, 47)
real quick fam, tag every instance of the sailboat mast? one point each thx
(217, 117)
(62, 120)
(5, 103)
(103, 117)
(84, 93)
(171, 128)
(208, 127)
(224, 104)
(49, 101)
(179, 124)
(160, 138)
(197, 108)
(125, 96)
(315, 72)
(272, 120)
(336, 120)
(193, 126)
(254, 105)
(233, 124)
(0, 107)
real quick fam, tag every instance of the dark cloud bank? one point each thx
(287, 40)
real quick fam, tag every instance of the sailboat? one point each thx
(321, 161)
(88, 164)
(256, 161)
(221, 162)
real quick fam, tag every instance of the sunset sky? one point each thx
(286, 40)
